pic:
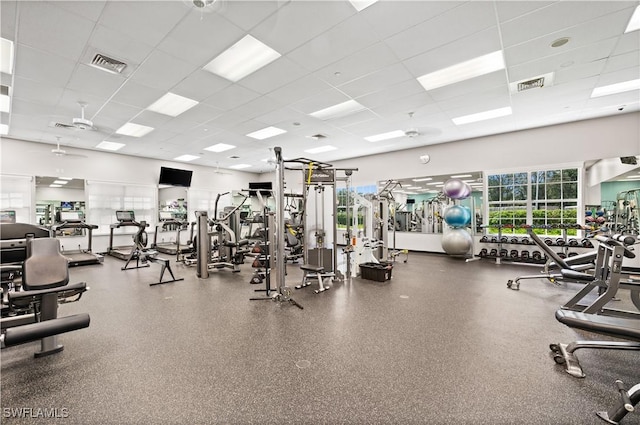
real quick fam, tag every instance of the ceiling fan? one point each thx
(62, 153)
(219, 171)
(80, 123)
(413, 132)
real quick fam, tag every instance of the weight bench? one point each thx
(45, 277)
(312, 271)
(618, 327)
(166, 265)
(613, 326)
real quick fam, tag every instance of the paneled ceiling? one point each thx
(330, 53)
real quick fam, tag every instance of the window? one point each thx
(16, 195)
(545, 199)
(104, 199)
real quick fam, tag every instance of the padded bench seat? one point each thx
(606, 325)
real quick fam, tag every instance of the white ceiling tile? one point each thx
(231, 97)
(299, 21)
(406, 14)
(116, 113)
(43, 66)
(579, 71)
(92, 81)
(247, 14)
(559, 16)
(461, 22)
(87, 9)
(278, 73)
(627, 43)
(304, 87)
(359, 117)
(162, 71)
(34, 91)
(200, 113)
(468, 88)
(619, 62)
(138, 95)
(277, 116)
(376, 81)
(118, 46)
(257, 107)
(320, 101)
(463, 49)
(206, 38)
(619, 76)
(497, 95)
(508, 10)
(69, 103)
(179, 125)
(8, 10)
(358, 65)
(344, 39)
(391, 93)
(151, 119)
(200, 85)
(44, 26)
(146, 21)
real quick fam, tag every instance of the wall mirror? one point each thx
(172, 207)
(60, 198)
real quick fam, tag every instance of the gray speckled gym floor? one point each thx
(442, 342)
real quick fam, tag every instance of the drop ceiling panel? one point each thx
(508, 10)
(92, 81)
(247, 14)
(117, 112)
(406, 14)
(320, 101)
(481, 43)
(302, 88)
(376, 81)
(344, 39)
(496, 95)
(620, 62)
(278, 73)
(231, 97)
(137, 95)
(577, 72)
(162, 71)
(298, 22)
(33, 91)
(116, 45)
(626, 74)
(200, 114)
(469, 88)
(558, 16)
(399, 109)
(200, 85)
(257, 107)
(627, 43)
(351, 119)
(470, 18)
(204, 38)
(391, 93)
(45, 26)
(179, 125)
(8, 11)
(358, 65)
(88, 9)
(43, 66)
(146, 21)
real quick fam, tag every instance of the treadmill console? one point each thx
(125, 216)
(7, 216)
(69, 217)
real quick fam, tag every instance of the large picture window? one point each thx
(546, 199)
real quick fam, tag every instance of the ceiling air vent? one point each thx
(538, 82)
(108, 64)
(318, 136)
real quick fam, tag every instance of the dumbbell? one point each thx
(484, 239)
(504, 239)
(548, 241)
(536, 255)
(562, 255)
(524, 255)
(586, 243)
(573, 242)
(483, 252)
(493, 253)
(504, 253)
(514, 254)
(494, 239)
(560, 241)
(515, 240)
(526, 241)
(572, 254)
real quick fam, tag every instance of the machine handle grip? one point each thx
(626, 401)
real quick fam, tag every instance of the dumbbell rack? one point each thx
(501, 253)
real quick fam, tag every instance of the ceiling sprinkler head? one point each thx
(202, 3)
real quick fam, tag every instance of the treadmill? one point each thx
(75, 220)
(125, 219)
(170, 223)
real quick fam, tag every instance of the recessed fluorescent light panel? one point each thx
(423, 179)
(55, 185)
(60, 182)
(134, 130)
(463, 71)
(240, 166)
(616, 88)
(385, 136)
(172, 104)
(110, 146)
(339, 110)
(6, 56)
(220, 147)
(460, 176)
(634, 22)
(186, 158)
(243, 58)
(320, 149)
(362, 4)
(265, 133)
(482, 116)
(65, 178)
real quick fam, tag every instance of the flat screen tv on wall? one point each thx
(175, 177)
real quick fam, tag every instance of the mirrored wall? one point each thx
(57, 197)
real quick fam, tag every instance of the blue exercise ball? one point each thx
(456, 189)
(456, 241)
(457, 216)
